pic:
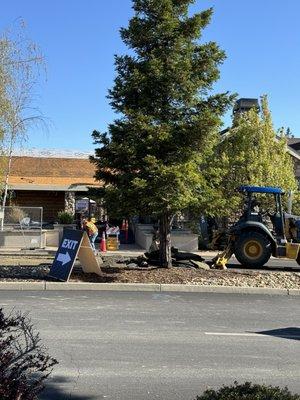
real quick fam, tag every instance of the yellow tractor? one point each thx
(257, 236)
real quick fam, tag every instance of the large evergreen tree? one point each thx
(150, 159)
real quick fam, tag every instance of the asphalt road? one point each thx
(136, 346)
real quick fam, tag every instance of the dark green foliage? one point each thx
(248, 391)
(24, 364)
(150, 160)
(65, 218)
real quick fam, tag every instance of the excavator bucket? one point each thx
(220, 261)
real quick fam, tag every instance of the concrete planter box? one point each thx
(182, 239)
(143, 235)
(53, 237)
(23, 239)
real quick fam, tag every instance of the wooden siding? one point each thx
(52, 202)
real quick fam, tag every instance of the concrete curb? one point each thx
(128, 287)
(294, 292)
(222, 289)
(23, 285)
(143, 287)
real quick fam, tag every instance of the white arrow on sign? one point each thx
(64, 258)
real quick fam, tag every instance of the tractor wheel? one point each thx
(252, 249)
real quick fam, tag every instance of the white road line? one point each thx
(261, 335)
(230, 334)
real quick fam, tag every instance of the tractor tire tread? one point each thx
(243, 259)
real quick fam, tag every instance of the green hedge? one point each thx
(248, 391)
(64, 217)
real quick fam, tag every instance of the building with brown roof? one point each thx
(51, 182)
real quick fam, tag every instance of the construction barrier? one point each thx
(112, 243)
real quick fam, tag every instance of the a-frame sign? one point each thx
(74, 244)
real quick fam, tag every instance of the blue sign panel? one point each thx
(66, 255)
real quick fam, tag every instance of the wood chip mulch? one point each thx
(119, 273)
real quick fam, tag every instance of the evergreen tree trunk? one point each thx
(165, 258)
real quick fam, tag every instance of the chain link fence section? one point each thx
(22, 225)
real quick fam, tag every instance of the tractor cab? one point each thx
(262, 230)
(271, 216)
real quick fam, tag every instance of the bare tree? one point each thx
(21, 64)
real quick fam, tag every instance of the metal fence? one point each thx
(21, 226)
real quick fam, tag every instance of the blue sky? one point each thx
(79, 38)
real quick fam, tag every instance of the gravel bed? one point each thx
(119, 273)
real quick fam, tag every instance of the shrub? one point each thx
(14, 214)
(24, 364)
(65, 218)
(248, 391)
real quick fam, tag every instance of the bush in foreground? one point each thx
(24, 364)
(248, 391)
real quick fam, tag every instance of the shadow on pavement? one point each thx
(53, 390)
(285, 333)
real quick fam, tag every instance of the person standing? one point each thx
(92, 231)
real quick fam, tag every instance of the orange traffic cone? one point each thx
(103, 243)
